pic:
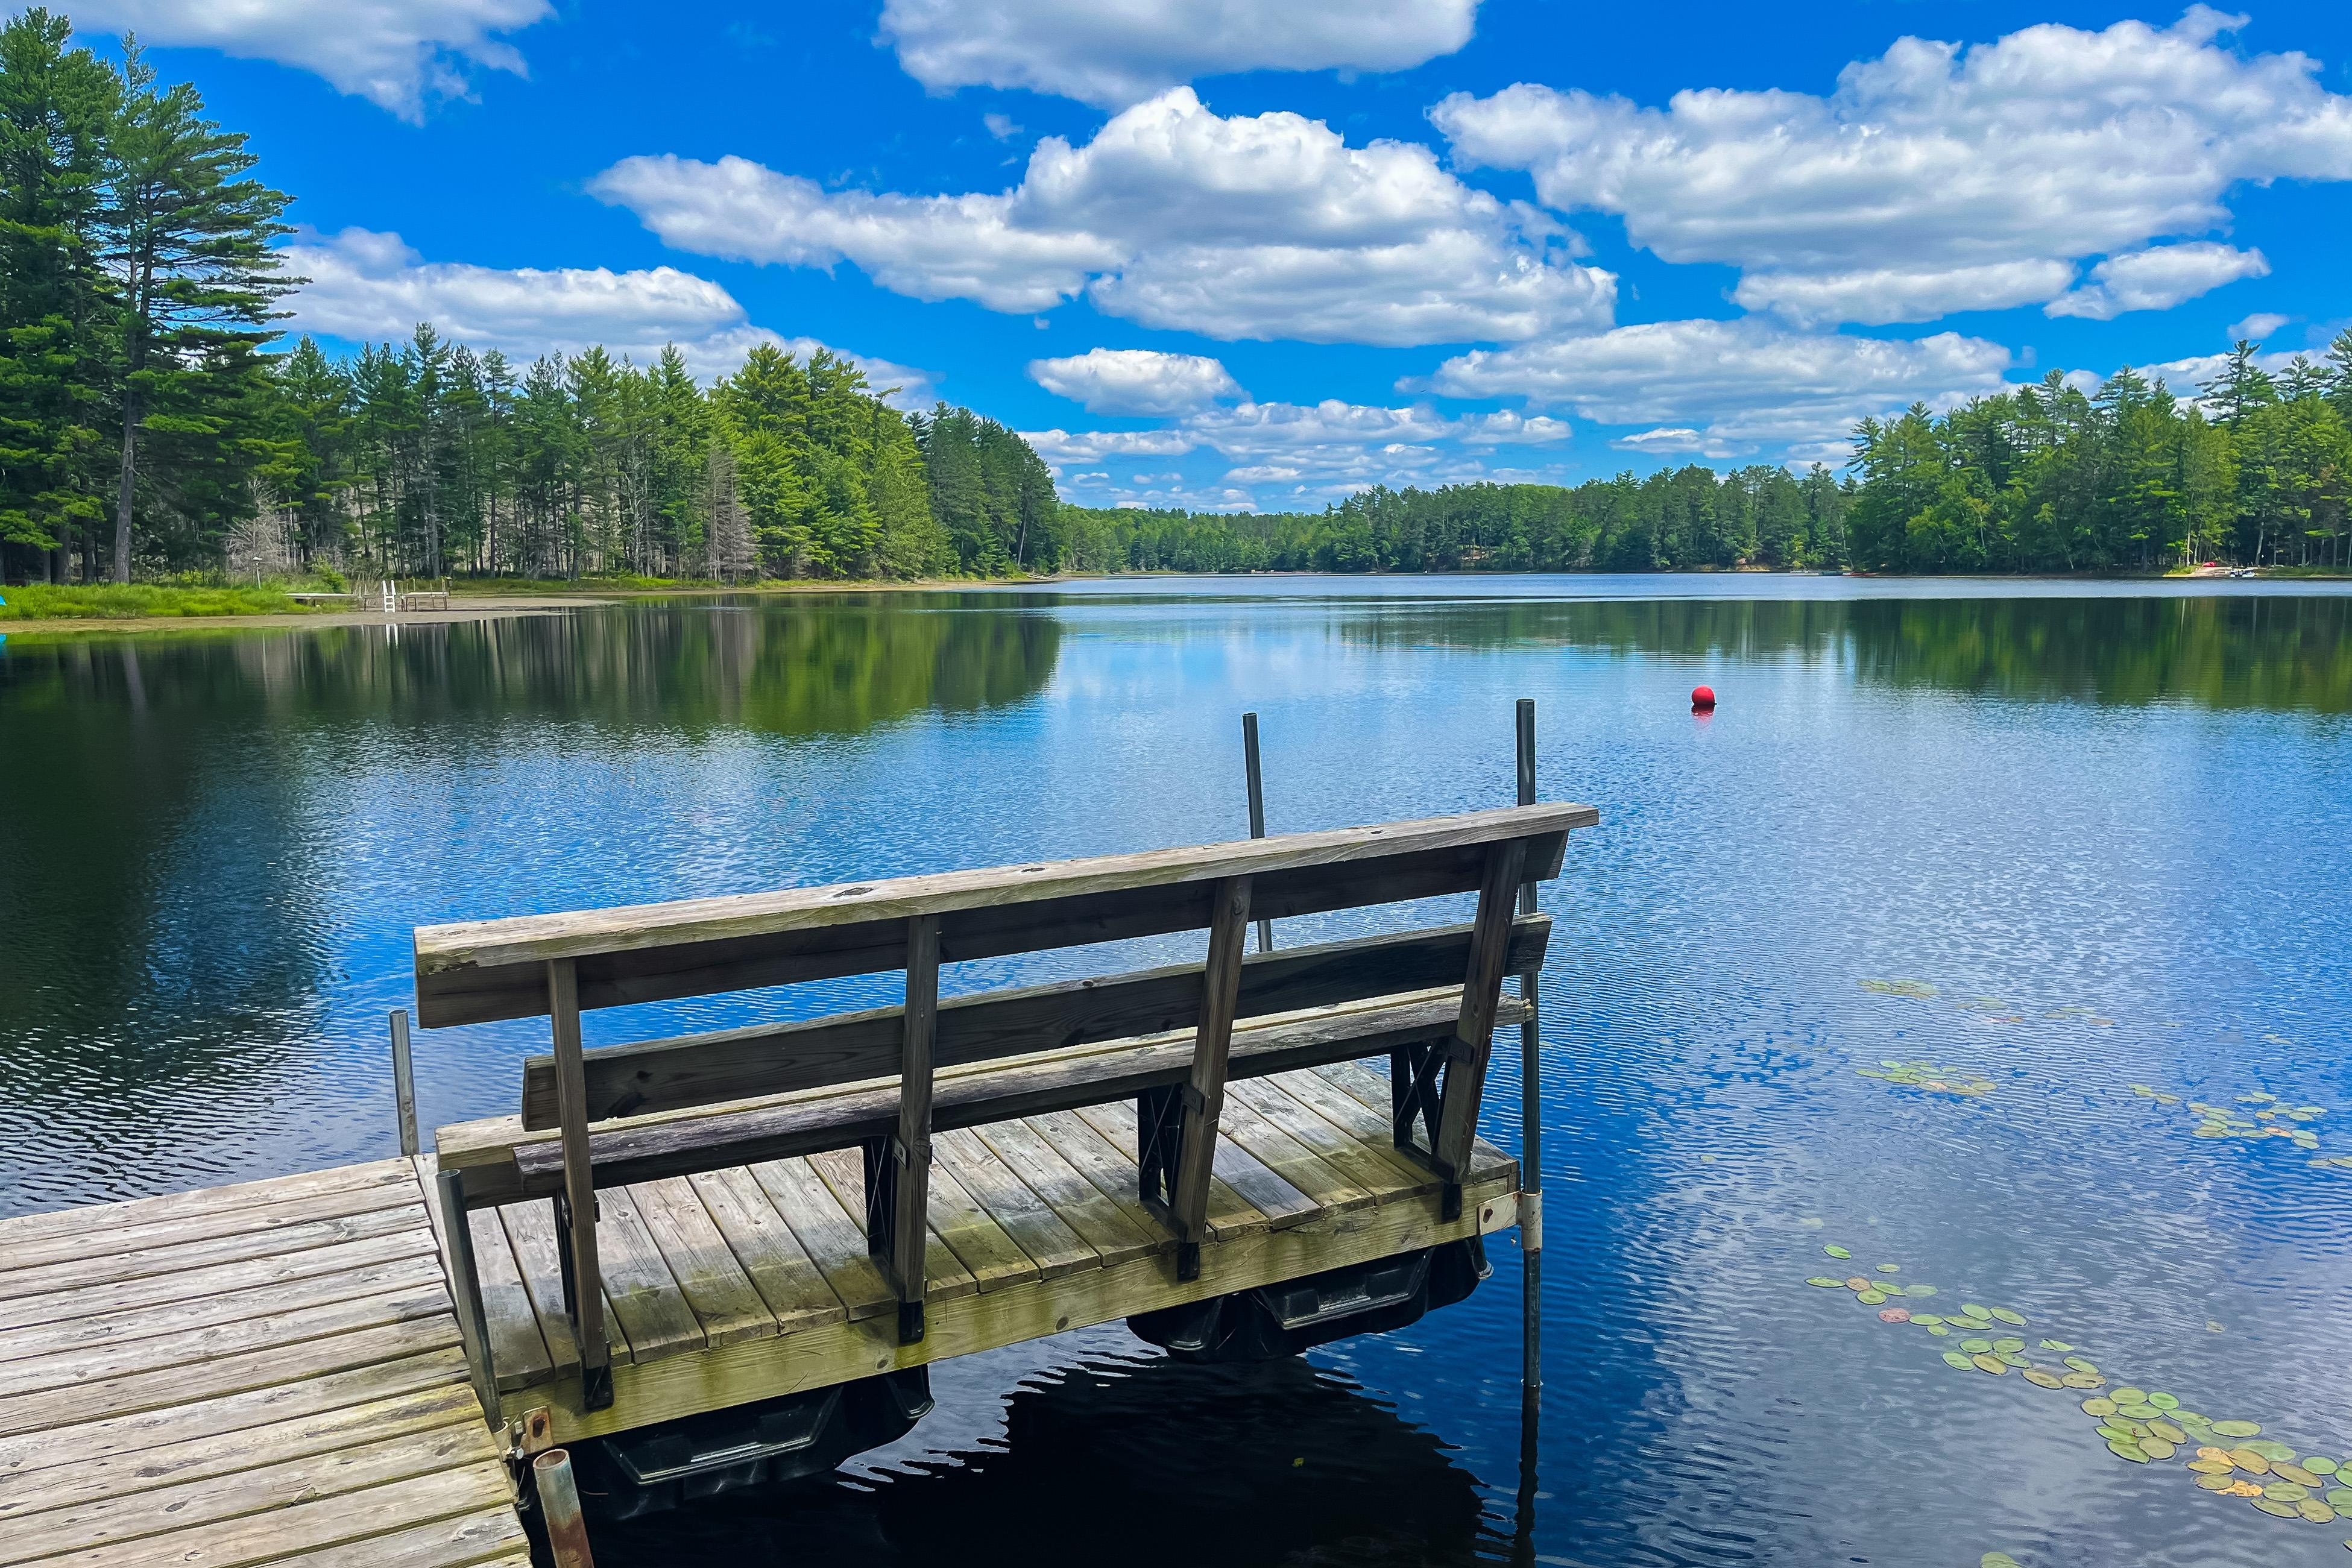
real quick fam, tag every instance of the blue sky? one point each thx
(1227, 255)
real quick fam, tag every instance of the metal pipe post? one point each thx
(1257, 810)
(1531, 1107)
(558, 1505)
(403, 1083)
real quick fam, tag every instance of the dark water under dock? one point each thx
(2058, 841)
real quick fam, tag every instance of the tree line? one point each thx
(148, 428)
(2252, 469)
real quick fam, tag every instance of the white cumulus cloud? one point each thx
(1112, 53)
(365, 286)
(2158, 279)
(397, 53)
(1136, 381)
(1935, 178)
(1730, 385)
(1265, 226)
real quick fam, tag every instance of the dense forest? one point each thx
(149, 428)
(2253, 469)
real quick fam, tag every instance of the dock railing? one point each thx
(1428, 999)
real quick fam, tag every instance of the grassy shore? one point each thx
(141, 602)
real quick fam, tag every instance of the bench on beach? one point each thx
(884, 1081)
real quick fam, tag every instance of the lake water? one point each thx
(2049, 841)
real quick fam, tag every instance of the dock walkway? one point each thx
(269, 1371)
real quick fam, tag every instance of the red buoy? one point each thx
(1702, 699)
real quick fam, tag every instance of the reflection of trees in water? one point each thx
(1148, 1463)
(2229, 652)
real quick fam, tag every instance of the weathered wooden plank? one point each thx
(530, 1234)
(1020, 1214)
(1371, 1169)
(90, 1441)
(759, 1369)
(645, 1299)
(860, 928)
(899, 1171)
(1365, 1129)
(519, 1355)
(492, 1538)
(178, 1386)
(94, 1366)
(188, 1505)
(835, 1242)
(990, 1255)
(1113, 1177)
(103, 1239)
(577, 1219)
(1202, 1101)
(719, 1293)
(659, 1075)
(327, 1269)
(843, 1171)
(680, 1142)
(47, 1278)
(143, 1469)
(1370, 1089)
(392, 1176)
(125, 1325)
(781, 1269)
(1323, 1185)
(1482, 990)
(1252, 1194)
(309, 1526)
(1091, 1214)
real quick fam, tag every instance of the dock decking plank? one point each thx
(1365, 1129)
(517, 1350)
(94, 1439)
(47, 1278)
(189, 1504)
(101, 1241)
(834, 1243)
(1110, 1172)
(717, 1290)
(134, 1470)
(1363, 1166)
(91, 1217)
(638, 1282)
(128, 1325)
(492, 1538)
(843, 1172)
(1055, 1247)
(985, 1247)
(531, 1235)
(781, 1269)
(339, 1261)
(1324, 1186)
(1074, 1200)
(1372, 1090)
(1245, 1196)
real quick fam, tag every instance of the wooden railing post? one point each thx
(576, 1211)
(1177, 1134)
(1474, 1028)
(466, 1289)
(898, 1168)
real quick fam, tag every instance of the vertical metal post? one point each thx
(1530, 1108)
(559, 1504)
(1257, 810)
(403, 1083)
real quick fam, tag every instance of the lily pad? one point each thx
(2141, 1411)
(1856, 1282)
(2155, 1448)
(2212, 1482)
(2248, 1461)
(2042, 1379)
(2316, 1511)
(1996, 1559)
(1925, 1320)
(2082, 1380)
(1918, 1289)
(1870, 1297)
(2003, 1347)
(1826, 1283)
(1836, 1252)
(1938, 1330)
(2131, 1451)
(2167, 1431)
(2340, 1497)
(2301, 1474)
(2127, 1394)
(1991, 1363)
(1977, 1346)
(2285, 1491)
(2060, 1346)
(2165, 1401)
(2320, 1464)
(1894, 1315)
(2275, 1452)
(1890, 1267)
(2237, 1428)
(2271, 1506)
(1975, 1311)
(2009, 1315)
(2099, 1405)
(2212, 1467)
(2079, 1364)
(1954, 1359)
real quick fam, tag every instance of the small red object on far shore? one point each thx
(1702, 699)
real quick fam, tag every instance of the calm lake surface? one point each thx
(2049, 841)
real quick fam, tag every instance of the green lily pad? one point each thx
(2212, 1467)
(2009, 1315)
(2165, 1401)
(2060, 1346)
(2222, 1482)
(1977, 1346)
(1938, 1330)
(2275, 1452)
(2320, 1464)
(1918, 1289)
(2082, 1380)
(2340, 1497)
(2167, 1431)
(1890, 1267)
(2156, 1448)
(2099, 1405)
(2130, 1395)
(2131, 1451)
(2272, 1507)
(1996, 1559)
(1836, 1252)
(2301, 1474)
(1991, 1363)
(1870, 1297)
(2079, 1364)
(2237, 1428)
(2140, 1411)
(2041, 1378)
(2316, 1511)
(1925, 1320)
(2018, 1359)
(1974, 1311)
(1958, 1361)
(2003, 1347)
(2285, 1491)
(1826, 1283)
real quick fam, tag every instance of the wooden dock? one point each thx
(264, 1373)
(755, 1280)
